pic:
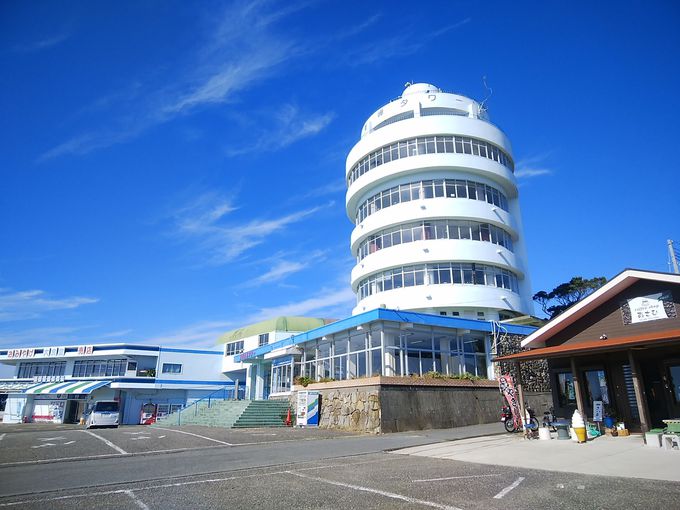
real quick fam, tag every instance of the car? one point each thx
(102, 413)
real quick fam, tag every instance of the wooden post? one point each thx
(520, 390)
(577, 389)
(639, 393)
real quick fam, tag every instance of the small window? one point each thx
(263, 339)
(565, 389)
(172, 368)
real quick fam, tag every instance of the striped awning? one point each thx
(70, 387)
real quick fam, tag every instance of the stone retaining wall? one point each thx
(395, 404)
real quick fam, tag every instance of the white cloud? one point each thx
(200, 334)
(291, 126)
(533, 166)
(400, 45)
(31, 304)
(241, 51)
(202, 221)
(34, 337)
(282, 267)
(42, 44)
(336, 302)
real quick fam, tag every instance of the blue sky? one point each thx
(173, 170)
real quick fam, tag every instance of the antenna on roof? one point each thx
(482, 105)
(672, 257)
(408, 84)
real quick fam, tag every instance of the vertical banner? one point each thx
(308, 408)
(313, 408)
(597, 410)
(507, 387)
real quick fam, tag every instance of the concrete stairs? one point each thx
(263, 413)
(231, 414)
(221, 413)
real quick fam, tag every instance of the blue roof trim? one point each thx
(191, 351)
(134, 347)
(385, 315)
(213, 383)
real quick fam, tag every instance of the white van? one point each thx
(102, 413)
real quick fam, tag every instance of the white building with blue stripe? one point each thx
(53, 384)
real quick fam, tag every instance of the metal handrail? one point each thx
(233, 387)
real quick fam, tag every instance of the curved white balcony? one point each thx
(427, 126)
(430, 166)
(443, 296)
(434, 251)
(432, 209)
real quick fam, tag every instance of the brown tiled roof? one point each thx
(597, 345)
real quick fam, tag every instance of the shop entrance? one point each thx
(74, 410)
(655, 392)
(672, 385)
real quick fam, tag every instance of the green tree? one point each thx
(566, 294)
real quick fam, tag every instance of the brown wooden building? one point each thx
(620, 345)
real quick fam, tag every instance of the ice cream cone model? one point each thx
(579, 426)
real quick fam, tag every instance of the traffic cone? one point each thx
(289, 422)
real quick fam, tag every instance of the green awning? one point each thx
(276, 324)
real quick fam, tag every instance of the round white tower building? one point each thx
(432, 191)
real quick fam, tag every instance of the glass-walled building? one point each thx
(381, 342)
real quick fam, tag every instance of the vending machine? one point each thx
(148, 414)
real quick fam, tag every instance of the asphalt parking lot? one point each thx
(201, 467)
(377, 481)
(36, 442)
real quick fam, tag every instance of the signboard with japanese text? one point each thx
(84, 350)
(20, 353)
(598, 410)
(648, 308)
(53, 352)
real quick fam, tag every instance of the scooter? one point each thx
(509, 420)
(549, 419)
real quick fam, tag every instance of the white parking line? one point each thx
(509, 488)
(2, 436)
(196, 435)
(137, 501)
(377, 491)
(452, 478)
(109, 443)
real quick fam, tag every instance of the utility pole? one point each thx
(673, 257)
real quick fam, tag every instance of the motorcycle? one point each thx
(509, 420)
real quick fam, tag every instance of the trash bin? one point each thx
(653, 438)
(562, 427)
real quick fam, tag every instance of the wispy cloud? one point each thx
(116, 334)
(328, 302)
(200, 334)
(242, 50)
(534, 166)
(405, 43)
(34, 337)
(204, 221)
(42, 44)
(291, 126)
(31, 304)
(282, 266)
